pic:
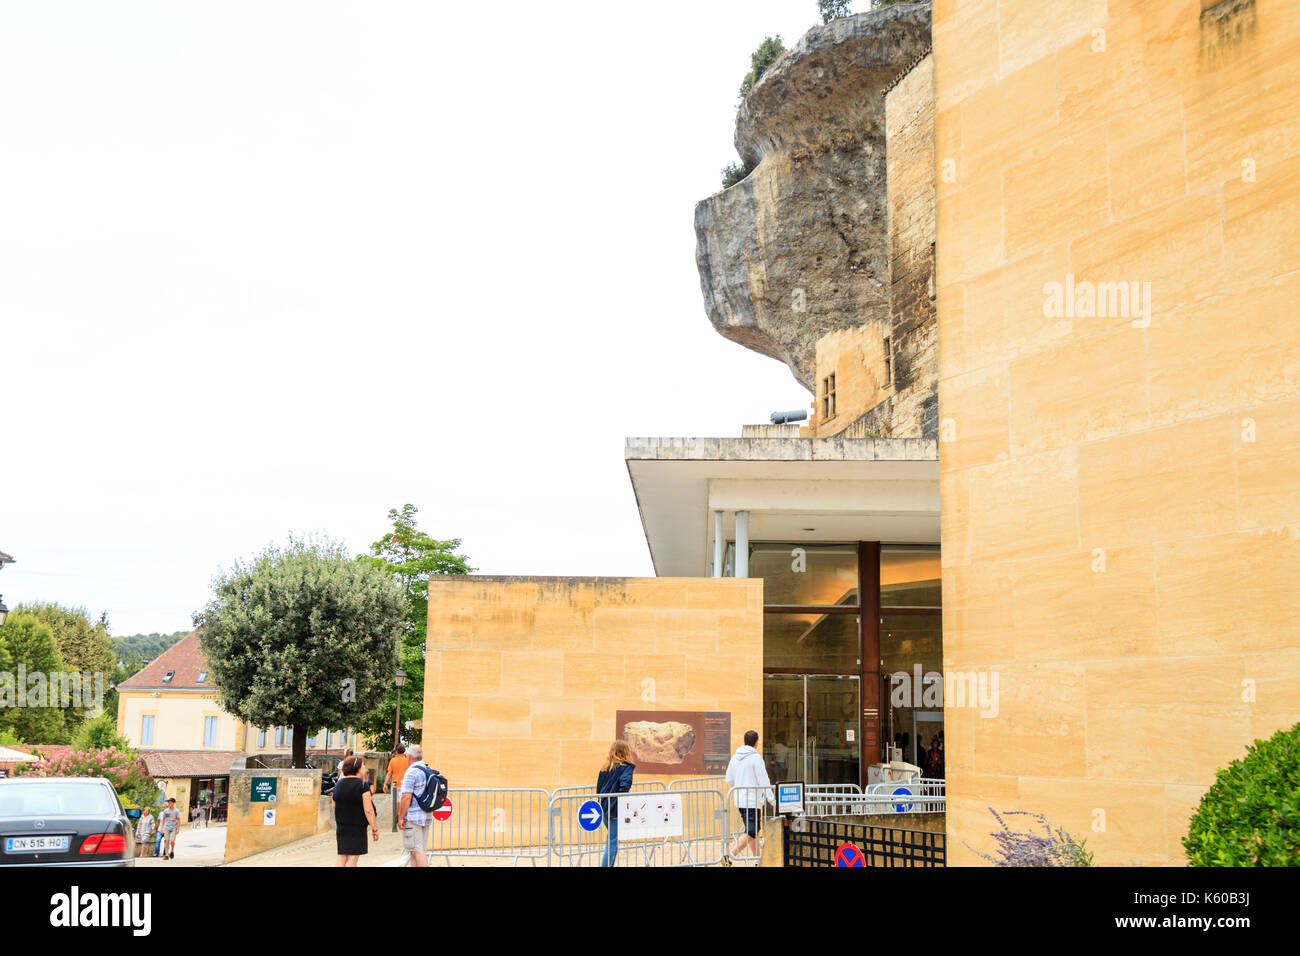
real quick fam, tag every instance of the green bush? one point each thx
(98, 733)
(735, 173)
(1251, 816)
(768, 52)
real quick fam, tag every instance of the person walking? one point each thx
(354, 809)
(614, 777)
(747, 776)
(396, 772)
(144, 831)
(169, 822)
(411, 820)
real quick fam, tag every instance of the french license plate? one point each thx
(41, 844)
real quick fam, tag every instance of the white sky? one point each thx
(271, 267)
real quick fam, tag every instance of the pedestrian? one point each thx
(396, 771)
(747, 777)
(144, 831)
(411, 820)
(339, 769)
(354, 808)
(614, 777)
(170, 822)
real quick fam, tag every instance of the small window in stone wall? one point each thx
(828, 396)
(889, 362)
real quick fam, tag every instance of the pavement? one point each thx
(202, 846)
(321, 849)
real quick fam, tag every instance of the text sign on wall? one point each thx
(262, 790)
(676, 741)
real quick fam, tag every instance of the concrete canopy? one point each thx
(883, 489)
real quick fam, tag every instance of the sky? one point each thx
(279, 267)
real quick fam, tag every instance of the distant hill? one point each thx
(135, 651)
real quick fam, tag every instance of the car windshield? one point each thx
(55, 798)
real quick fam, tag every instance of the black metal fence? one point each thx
(818, 841)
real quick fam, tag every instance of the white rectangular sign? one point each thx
(653, 814)
(268, 818)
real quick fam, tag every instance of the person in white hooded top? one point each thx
(747, 773)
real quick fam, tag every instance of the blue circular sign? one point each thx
(902, 807)
(590, 815)
(849, 855)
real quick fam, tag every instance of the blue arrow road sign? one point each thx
(902, 807)
(589, 815)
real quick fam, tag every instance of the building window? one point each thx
(167, 678)
(329, 739)
(261, 737)
(889, 363)
(146, 730)
(279, 736)
(203, 676)
(311, 741)
(828, 396)
(209, 731)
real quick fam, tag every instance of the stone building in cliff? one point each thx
(1036, 263)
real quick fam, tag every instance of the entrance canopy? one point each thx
(793, 489)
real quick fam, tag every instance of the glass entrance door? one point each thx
(810, 728)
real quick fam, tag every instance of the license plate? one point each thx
(42, 844)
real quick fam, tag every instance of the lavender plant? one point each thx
(1052, 847)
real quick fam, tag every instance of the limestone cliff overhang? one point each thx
(844, 489)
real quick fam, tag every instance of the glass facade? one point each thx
(847, 628)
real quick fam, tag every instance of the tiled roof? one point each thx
(185, 657)
(44, 751)
(189, 763)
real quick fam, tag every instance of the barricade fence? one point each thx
(691, 822)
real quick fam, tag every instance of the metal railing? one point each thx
(686, 823)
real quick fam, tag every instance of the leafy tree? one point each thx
(768, 52)
(84, 647)
(409, 556)
(98, 733)
(31, 644)
(302, 636)
(831, 9)
(1251, 816)
(735, 173)
(8, 738)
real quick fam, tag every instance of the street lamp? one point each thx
(399, 679)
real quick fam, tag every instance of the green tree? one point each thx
(831, 9)
(302, 636)
(98, 733)
(8, 738)
(1251, 816)
(84, 646)
(31, 645)
(409, 556)
(768, 52)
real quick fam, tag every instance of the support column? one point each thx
(717, 544)
(742, 544)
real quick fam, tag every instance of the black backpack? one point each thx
(435, 790)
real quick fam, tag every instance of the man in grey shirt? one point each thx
(170, 821)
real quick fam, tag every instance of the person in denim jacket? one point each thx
(614, 777)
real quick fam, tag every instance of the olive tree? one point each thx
(302, 636)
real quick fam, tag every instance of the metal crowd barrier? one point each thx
(693, 822)
(701, 824)
(505, 824)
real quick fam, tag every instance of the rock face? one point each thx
(800, 247)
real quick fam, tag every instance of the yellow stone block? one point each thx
(470, 672)
(973, 417)
(557, 718)
(1062, 193)
(499, 717)
(592, 674)
(1025, 507)
(1040, 727)
(1146, 161)
(532, 674)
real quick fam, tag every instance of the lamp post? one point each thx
(399, 679)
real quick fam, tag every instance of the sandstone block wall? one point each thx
(1121, 509)
(524, 675)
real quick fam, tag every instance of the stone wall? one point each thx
(1121, 516)
(298, 811)
(524, 675)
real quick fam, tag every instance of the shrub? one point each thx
(1251, 815)
(768, 52)
(121, 768)
(735, 173)
(98, 733)
(1052, 847)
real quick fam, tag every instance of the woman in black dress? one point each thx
(354, 809)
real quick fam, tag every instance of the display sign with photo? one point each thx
(676, 741)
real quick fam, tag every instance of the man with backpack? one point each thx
(423, 791)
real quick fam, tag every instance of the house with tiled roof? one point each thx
(170, 712)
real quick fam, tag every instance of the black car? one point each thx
(63, 821)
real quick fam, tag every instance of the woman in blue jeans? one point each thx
(614, 777)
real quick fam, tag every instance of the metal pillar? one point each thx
(742, 544)
(717, 544)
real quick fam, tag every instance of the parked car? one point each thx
(63, 821)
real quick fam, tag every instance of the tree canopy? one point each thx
(83, 645)
(768, 52)
(302, 636)
(29, 642)
(409, 556)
